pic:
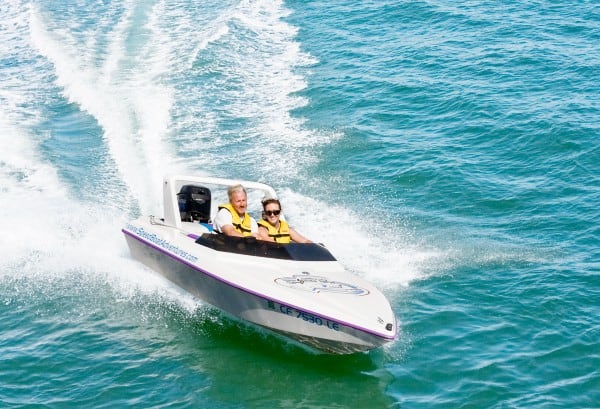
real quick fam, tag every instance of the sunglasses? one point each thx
(272, 212)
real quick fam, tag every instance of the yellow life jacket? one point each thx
(243, 226)
(280, 236)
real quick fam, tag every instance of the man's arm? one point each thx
(229, 230)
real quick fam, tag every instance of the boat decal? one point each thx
(153, 238)
(303, 315)
(317, 284)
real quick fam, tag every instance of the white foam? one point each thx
(130, 97)
(258, 58)
(385, 257)
(131, 107)
(269, 57)
(64, 237)
(268, 71)
(46, 233)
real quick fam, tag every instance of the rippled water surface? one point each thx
(447, 152)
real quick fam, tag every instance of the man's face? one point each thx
(239, 202)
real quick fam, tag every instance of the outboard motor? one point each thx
(194, 203)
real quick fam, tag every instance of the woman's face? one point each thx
(272, 212)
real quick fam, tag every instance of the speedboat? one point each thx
(298, 290)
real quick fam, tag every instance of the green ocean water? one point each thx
(446, 152)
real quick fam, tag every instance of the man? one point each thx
(232, 218)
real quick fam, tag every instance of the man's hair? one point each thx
(235, 188)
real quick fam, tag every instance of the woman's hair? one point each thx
(269, 201)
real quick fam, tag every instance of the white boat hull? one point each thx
(310, 298)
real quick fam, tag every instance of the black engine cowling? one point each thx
(194, 203)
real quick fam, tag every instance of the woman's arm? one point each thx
(263, 234)
(297, 237)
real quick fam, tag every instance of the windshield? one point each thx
(258, 248)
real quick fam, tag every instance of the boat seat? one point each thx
(194, 203)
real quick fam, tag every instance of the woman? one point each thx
(272, 228)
